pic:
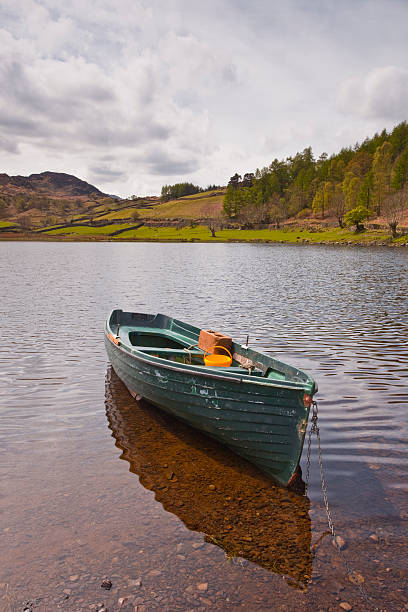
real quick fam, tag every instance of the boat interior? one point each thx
(163, 345)
(173, 340)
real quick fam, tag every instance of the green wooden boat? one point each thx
(258, 406)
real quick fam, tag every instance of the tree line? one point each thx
(179, 190)
(369, 179)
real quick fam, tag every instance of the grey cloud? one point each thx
(95, 93)
(108, 175)
(230, 73)
(16, 124)
(157, 131)
(186, 98)
(168, 167)
(8, 146)
(15, 85)
(100, 134)
(381, 94)
(20, 88)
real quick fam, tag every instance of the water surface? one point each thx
(89, 491)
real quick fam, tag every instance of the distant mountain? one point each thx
(50, 184)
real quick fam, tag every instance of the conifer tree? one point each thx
(381, 168)
(399, 176)
(351, 187)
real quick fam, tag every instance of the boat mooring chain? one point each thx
(314, 429)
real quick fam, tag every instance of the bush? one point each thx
(356, 216)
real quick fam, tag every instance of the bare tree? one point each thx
(212, 227)
(278, 210)
(338, 204)
(394, 207)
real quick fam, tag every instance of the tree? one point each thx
(351, 187)
(296, 200)
(356, 216)
(234, 181)
(381, 167)
(322, 200)
(213, 218)
(322, 167)
(399, 175)
(372, 144)
(399, 138)
(394, 207)
(179, 190)
(338, 204)
(281, 173)
(365, 192)
(248, 179)
(134, 215)
(336, 169)
(212, 228)
(278, 210)
(233, 201)
(360, 163)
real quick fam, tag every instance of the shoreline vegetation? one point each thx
(200, 233)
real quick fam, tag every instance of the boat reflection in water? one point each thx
(211, 489)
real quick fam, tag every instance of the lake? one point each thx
(97, 486)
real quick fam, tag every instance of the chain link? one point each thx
(314, 429)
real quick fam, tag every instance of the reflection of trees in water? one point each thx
(210, 489)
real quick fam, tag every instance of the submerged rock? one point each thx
(339, 542)
(203, 586)
(106, 584)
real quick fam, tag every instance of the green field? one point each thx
(202, 233)
(198, 233)
(125, 213)
(83, 230)
(4, 224)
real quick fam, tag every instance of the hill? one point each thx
(49, 184)
(49, 197)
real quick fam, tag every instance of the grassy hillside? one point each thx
(198, 206)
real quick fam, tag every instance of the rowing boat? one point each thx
(256, 405)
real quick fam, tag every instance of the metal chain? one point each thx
(314, 429)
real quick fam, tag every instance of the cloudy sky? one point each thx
(133, 94)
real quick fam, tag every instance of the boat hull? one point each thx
(265, 424)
